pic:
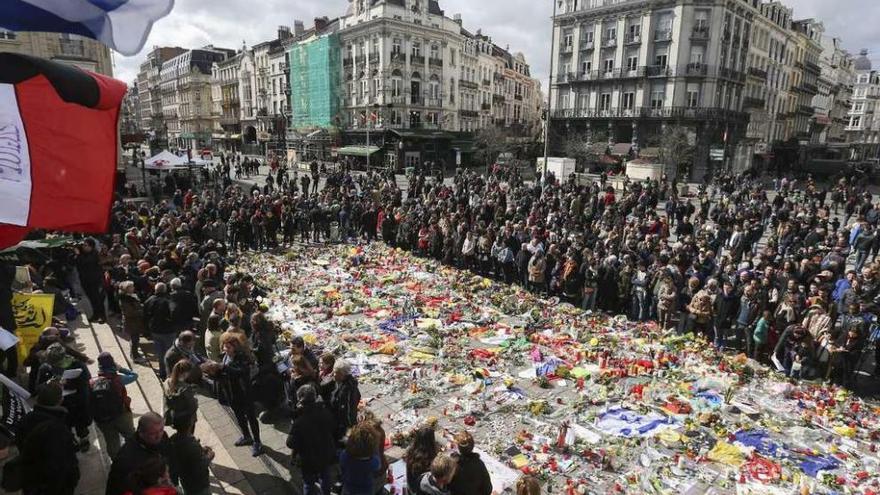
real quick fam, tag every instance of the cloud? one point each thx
(521, 25)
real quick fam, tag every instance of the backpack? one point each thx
(105, 401)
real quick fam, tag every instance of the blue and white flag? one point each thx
(123, 25)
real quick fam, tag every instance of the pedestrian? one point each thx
(91, 277)
(110, 403)
(311, 440)
(152, 478)
(149, 445)
(471, 476)
(185, 348)
(761, 336)
(235, 374)
(57, 366)
(436, 481)
(419, 456)
(345, 398)
(358, 462)
(132, 318)
(189, 460)
(157, 312)
(180, 400)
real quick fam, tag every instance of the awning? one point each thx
(649, 152)
(358, 150)
(235, 136)
(621, 149)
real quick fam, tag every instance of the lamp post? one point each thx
(549, 92)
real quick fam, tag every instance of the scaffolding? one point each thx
(314, 82)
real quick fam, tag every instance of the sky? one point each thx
(520, 25)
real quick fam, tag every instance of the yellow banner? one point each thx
(33, 313)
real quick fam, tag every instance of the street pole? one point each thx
(549, 92)
(368, 137)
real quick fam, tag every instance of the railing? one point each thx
(417, 60)
(609, 42)
(759, 73)
(751, 102)
(587, 45)
(468, 84)
(700, 33)
(813, 67)
(696, 69)
(347, 62)
(417, 100)
(663, 35)
(806, 110)
(809, 88)
(487, 82)
(657, 71)
(485, 106)
(718, 114)
(435, 62)
(517, 97)
(434, 102)
(498, 98)
(566, 49)
(374, 58)
(397, 57)
(631, 38)
(469, 113)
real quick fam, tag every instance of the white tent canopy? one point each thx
(165, 160)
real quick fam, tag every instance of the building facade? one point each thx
(186, 96)
(834, 100)
(70, 49)
(149, 84)
(630, 68)
(226, 101)
(314, 77)
(808, 50)
(863, 129)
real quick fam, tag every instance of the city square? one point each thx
(402, 251)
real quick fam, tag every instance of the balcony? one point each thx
(663, 35)
(750, 102)
(499, 99)
(587, 45)
(434, 102)
(632, 39)
(347, 62)
(806, 110)
(417, 60)
(374, 58)
(486, 106)
(469, 113)
(517, 97)
(397, 58)
(609, 42)
(500, 122)
(700, 33)
(809, 88)
(469, 85)
(657, 71)
(566, 49)
(812, 67)
(759, 73)
(72, 48)
(696, 69)
(417, 100)
(487, 82)
(435, 62)
(497, 77)
(732, 74)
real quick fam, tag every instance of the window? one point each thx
(605, 101)
(586, 66)
(609, 64)
(588, 36)
(629, 100)
(658, 94)
(6, 34)
(567, 38)
(693, 98)
(396, 86)
(452, 91)
(435, 52)
(632, 63)
(611, 33)
(863, 79)
(859, 107)
(697, 55)
(660, 60)
(395, 46)
(856, 122)
(634, 31)
(416, 49)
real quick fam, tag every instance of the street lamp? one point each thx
(549, 91)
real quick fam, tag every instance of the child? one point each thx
(436, 482)
(760, 335)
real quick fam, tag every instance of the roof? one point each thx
(358, 150)
(862, 63)
(621, 149)
(649, 152)
(422, 133)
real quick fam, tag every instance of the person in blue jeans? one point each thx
(358, 461)
(312, 442)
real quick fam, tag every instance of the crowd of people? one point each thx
(783, 279)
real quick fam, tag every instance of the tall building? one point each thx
(631, 68)
(863, 129)
(187, 98)
(70, 49)
(808, 50)
(835, 93)
(314, 77)
(149, 83)
(226, 109)
(130, 116)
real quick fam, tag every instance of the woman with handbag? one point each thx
(235, 376)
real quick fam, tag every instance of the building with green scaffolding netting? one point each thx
(314, 82)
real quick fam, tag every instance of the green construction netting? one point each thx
(314, 82)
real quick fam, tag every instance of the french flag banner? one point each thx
(58, 147)
(123, 25)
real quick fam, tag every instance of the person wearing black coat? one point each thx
(46, 446)
(91, 277)
(726, 309)
(312, 441)
(389, 229)
(189, 461)
(157, 313)
(149, 442)
(184, 306)
(77, 401)
(235, 385)
(345, 398)
(471, 476)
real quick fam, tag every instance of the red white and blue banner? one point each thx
(58, 147)
(123, 25)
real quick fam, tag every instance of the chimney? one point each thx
(457, 19)
(321, 23)
(283, 32)
(298, 28)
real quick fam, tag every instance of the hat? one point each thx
(106, 362)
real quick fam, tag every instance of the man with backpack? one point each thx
(110, 404)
